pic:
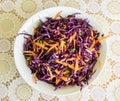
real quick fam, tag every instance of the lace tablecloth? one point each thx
(12, 15)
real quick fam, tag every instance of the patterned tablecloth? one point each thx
(12, 15)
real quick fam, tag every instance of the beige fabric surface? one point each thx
(13, 13)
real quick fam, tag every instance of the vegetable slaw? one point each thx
(62, 51)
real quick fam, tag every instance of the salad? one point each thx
(62, 51)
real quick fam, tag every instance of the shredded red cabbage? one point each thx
(62, 51)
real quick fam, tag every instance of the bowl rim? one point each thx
(27, 21)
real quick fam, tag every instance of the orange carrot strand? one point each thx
(42, 46)
(34, 78)
(58, 14)
(41, 52)
(102, 38)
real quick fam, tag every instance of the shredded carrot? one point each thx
(86, 39)
(57, 80)
(36, 39)
(92, 33)
(96, 53)
(49, 44)
(65, 55)
(27, 62)
(29, 53)
(71, 66)
(64, 78)
(62, 35)
(37, 48)
(92, 38)
(34, 47)
(78, 56)
(70, 40)
(65, 64)
(39, 67)
(82, 78)
(62, 45)
(51, 41)
(83, 63)
(56, 49)
(35, 30)
(29, 38)
(64, 48)
(67, 83)
(41, 52)
(86, 60)
(46, 43)
(57, 72)
(70, 59)
(72, 37)
(58, 14)
(81, 67)
(51, 75)
(41, 45)
(74, 43)
(64, 26)
(67, 17)
(101, 39)
(51, 48)
(72, 79)
(34, 78)
(30, 62)
(76, 66)
(100, 63)
(93, 44)
(87, 47)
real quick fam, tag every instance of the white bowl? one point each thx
(20, 60)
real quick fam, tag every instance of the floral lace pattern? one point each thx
(13, 14)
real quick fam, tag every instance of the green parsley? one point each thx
(28, 58)
(24, 31)
(98, 34)
(72, 49)
(67, 70)
(80, 34)
(64, 42)
(39, 24)
(40, 41)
